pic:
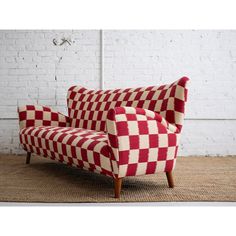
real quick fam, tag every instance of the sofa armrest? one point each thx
(36, 115)
(135, 132)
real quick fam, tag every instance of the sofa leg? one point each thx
(170, 179)
(28, 157)
(118, 183)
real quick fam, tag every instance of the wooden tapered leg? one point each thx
(28, 157)
(170, 179)
(118, 184)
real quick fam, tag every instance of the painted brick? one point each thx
(34, 70)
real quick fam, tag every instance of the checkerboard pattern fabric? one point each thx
(142, 142)
(88, 108)
(122, 132)
(35, 115)
(76, 147)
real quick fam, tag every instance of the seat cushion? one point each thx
(75, 146)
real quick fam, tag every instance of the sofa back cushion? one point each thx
(88, 108)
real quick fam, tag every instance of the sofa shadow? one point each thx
(75, 177)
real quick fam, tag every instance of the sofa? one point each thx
(117, 133)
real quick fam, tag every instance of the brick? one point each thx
(131, 59)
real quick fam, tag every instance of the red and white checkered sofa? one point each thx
(118, 133)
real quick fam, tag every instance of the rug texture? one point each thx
(196, 179)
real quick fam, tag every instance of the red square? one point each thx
(84, 154)
(30, 123)
(169, 165)
(151, 167)
(172, 140)
(162, 154)
(122, 128)
(54, 116)
(153, 140)
(143, 127)
(170, 116)
(161, 128)
(143, 155)
(46, 122)
(162, 94)
(22, 115)
(96, 157)
(113, 140)
(38, 115)
(131, 170)
(30, 107)
(134, 142)
(179, 105)
(73, 151)
(164, 105)
(172, 92)
(124, 157)
(131, 117)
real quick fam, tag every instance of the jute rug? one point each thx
(196, 179)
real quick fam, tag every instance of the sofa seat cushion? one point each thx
(75, 146)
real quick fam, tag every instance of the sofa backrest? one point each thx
(88, 108)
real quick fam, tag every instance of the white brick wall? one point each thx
(34, 70)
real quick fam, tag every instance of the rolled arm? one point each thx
(36, 115)
(138, 137)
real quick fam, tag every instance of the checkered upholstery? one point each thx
(141, 141)
(76, 147)
(122, 132)
(35, 115)
(88, 108)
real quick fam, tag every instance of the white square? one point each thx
(142, 168)
(152, 127)
(170, 104)
(68, 150)
(90, 157)
(158, 105)
(102, 107)
(111, 127)
(179, 92)
(94, 106)
(121, 117)
(30, 115)
(141, 117)
(104, 115)
(50, 145)
(85, 105)
(86, 143)
(86, 115)
(167, 95)
(179, 117)
(54, 123)
(59, 148)
(43, 143)
(143, 141)
(163, 140)
(133, 127)
(123, 142)
(171, 153)
(98, 125)
(89, 124)
(123, 170)
(152, 154)
(161, 166)
(133, 156)
(106, 163)
(144, 95)
(98, 147)
(46, 115)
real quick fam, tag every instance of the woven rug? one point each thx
(196, 179)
